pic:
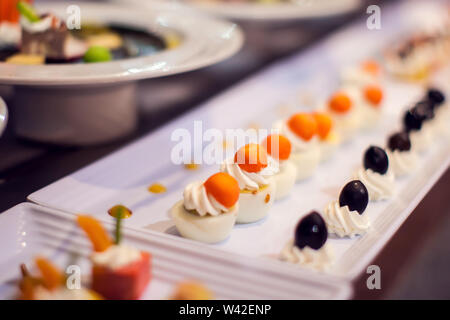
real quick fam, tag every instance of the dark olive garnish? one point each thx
(311, 231)
(399, 141)
(355, 196)
(436, 96)
(424, 109)
(376, 159)
(413, 119)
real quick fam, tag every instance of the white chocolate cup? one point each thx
(285, 179)
(255, 205)
(329, 146)
(347, 124)
(370, 116)
(208, 229)
(306, 162)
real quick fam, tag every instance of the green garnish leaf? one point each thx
(97, 54)
(119, 216)
(27, 11)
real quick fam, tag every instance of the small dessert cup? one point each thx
(328, 137)
(254, 171)
(301, 130)
(209, 210)
(345, 217)
(279, 147)
(119, 272)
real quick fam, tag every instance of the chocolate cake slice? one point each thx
(50, 38)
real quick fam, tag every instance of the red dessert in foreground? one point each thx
(119, 272)
(126, 283)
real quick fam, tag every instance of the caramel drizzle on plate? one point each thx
(157, 188)
(114, 211)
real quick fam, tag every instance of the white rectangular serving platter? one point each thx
(28, 230)
(123, 177)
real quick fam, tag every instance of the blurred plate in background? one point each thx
(202, 41)
(272, 10)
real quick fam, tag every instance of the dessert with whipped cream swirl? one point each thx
(119, 272)
(442, 109)
(402, 159)
(366, 73)
(343, 107)
(301, 130)
(376, 176)
(345, 217)
(309, 247)
(329, 139)
(437, 113)
(279, 148)
(254, 170)
(421, 135)
(208, 210)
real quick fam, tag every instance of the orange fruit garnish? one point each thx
(224, 188)
(374, 94)
(340, 102)
(96, 233)
(278, 146)
(251, 158)
(324, 124)
(191, 290)
(52, 277)
(27, 286)
(303, 125)
(372, 67)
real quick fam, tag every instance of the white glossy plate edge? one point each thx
(248, 273)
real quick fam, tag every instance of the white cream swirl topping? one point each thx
(116, 256)
(422, 139)
(379, 186)
(343, 222)
(251, 180)
(319, 260)
(196, 198)
(298, 143)
(402, 162)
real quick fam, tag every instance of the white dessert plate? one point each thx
(28, 230)
(270, 12)
(124, 177)
(204, 41)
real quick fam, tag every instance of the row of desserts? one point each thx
(355, 106)
(119, 272)
(248, 184)
(375, 181)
